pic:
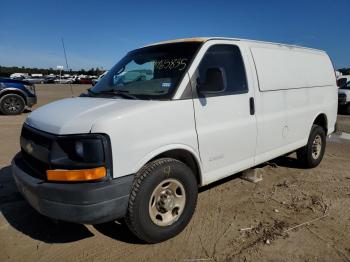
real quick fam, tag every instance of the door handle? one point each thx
(252, 105)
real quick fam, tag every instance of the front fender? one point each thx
(167, 148)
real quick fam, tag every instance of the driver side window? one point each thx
(227, 59)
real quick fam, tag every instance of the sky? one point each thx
(99, 33)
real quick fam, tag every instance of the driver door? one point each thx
(225, 117)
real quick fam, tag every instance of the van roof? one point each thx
(204, 39)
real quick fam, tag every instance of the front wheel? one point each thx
(162, 200)
(311, 155)
(12, 104)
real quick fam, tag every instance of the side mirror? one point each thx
(213, 83)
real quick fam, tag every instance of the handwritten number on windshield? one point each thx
(170, 64)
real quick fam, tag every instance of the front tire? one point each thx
(12, 104)
(162, 200)
(311, 155)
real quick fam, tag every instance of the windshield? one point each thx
(152, 72)
(346, 86)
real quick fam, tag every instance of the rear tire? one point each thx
(12, 104)
(162, 200)
(311, 155)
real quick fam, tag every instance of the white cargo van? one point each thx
(169, 118)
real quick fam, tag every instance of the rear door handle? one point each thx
(252, 105)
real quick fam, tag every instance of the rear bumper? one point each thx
(83, 203)
(31, 100)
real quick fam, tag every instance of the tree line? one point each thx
(344, 71)
(6, 71)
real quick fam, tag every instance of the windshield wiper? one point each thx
(122, 93)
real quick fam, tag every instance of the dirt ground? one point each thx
(292, 215)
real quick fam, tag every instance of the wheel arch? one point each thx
(14, 91)
(182, 153)
(322, 121)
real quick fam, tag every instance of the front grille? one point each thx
(36, 167)
(36, 136)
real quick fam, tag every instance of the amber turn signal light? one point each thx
(76, 175)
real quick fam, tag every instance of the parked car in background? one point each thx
(50, 79)
(342, 80)
(86, 81)
(35, 79)
(15, 95)
(94, 81)
(64, 80)
(18, 76)
(344, 98)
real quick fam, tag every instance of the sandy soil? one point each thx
(292, 215)
(343, 123)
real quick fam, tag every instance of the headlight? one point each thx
(79, 149)
(89, 150)
(30, 88)
(86, 153)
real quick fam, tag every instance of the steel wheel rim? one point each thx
(167, 202)
(316, 147)
(12, 104)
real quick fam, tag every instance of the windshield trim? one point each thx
(181, 96)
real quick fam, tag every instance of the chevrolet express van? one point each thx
(169, 118)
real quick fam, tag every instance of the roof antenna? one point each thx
(65, 56)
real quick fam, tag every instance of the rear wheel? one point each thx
(311, 155)
(162, 200)
(12, 104)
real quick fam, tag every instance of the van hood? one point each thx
(77, 115)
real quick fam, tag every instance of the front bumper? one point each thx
(31, 100)
(83, 203)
